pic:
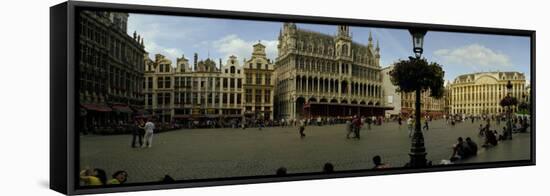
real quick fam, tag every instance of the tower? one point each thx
(343, 41)
(377, 54)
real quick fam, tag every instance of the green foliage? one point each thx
(417, 74)
(524, 107)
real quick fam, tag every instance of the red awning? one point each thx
(122, 108)
(97, 107)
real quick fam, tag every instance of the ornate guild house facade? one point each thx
(210, 91)
(205, 92)
(480, 93)
(111, 70)
(325, 75)
(259, 85)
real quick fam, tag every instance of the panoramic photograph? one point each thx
(177, 98)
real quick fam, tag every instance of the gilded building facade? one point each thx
(111, 69)
(210, 91)
(259, 85)
(480, 93)
(326, 75)
(182, 93)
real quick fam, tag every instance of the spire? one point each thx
(377, 46)
(370, 36)
(220, 63)
(195, 57)
(343, 30)
(135, 34)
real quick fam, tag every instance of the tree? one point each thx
(524, 108)
(417, 74)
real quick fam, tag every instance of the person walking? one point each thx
(369, 122)
(357, 127)
(410, 125)
(302, 128)
(138, 133)
(349, 128)
(149, 128)
(399, 120)
(426, 127)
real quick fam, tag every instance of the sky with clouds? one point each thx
(459, 53)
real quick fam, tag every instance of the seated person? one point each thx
(472, 145)
(490, 139)
(481, 130)
(461, 150)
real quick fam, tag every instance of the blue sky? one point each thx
(459, 53)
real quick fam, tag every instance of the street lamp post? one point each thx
(509, 112)
(418, 150)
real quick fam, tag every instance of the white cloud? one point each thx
(473, 55)
(234, 45)
(170, 53)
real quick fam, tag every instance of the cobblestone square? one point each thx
(214, 153)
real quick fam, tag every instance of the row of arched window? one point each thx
(316, 85)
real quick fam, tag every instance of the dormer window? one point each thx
(232, 69)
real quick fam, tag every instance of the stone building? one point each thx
(391, 96)
(433, 107)
(447, 96)
(326, 75)
(204, 92)
(480, 93)
(259, 85)
(110, 68)
(158, 88)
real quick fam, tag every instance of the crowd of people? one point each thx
(144, 129)
(98, 177)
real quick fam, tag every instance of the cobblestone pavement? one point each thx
(214, 153)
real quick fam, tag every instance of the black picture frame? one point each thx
(64, 140)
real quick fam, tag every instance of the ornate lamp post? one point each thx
(509, 112)
(418, 150)
(418, 41)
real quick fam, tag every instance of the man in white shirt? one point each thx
(149, 127)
